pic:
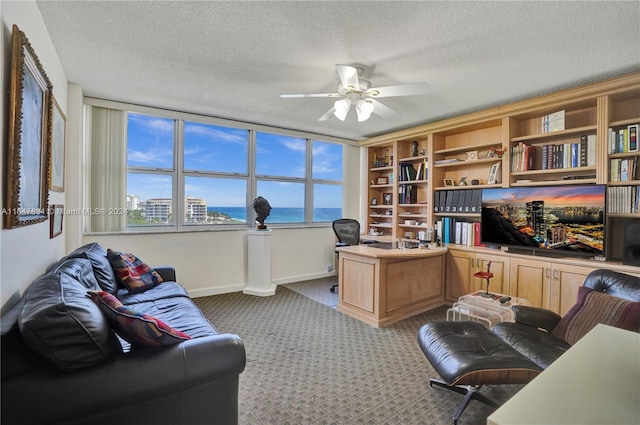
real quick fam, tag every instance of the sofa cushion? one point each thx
(61, 324)
(540, 347)
(166, 290)
(78, 268)
(135, 327)
(179, 312)
(102, 269)
(593, 307)
(134, 274)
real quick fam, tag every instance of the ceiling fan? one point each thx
(354, 90)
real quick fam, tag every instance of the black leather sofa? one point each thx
(63, 364)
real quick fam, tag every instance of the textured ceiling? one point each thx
(233, 59)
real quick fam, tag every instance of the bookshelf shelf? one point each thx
(543, 137)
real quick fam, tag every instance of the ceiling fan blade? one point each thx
(298, 95)
(348, 77)
(382, 110)
(412, 89)
(327, 114)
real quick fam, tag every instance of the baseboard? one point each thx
(302, 278)
(218, 290)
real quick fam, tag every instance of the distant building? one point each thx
(195, 210)
(157, 209)
(133, 202)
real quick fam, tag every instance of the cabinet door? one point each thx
(529, 279)
(499, 267)
(459, 273)
(565, 281)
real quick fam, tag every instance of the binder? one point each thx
(436, 201)
(475, 200)
(461, 201)
(449, 201)
(476, 233)
(443, 201)
(466, 205)
(446, 222)
(455, 201)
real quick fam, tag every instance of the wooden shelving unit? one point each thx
(469, 145)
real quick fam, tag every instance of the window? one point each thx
(183, 173)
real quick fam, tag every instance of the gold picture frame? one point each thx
(28, 159)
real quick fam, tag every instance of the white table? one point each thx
(596, 382)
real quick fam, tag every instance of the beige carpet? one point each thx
(309, 364)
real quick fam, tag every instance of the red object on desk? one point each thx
(483, 275)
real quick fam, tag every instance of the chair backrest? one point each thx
(347, 230)
(616, 284)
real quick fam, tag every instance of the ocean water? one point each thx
(281, 215)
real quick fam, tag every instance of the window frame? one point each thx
(178, 173)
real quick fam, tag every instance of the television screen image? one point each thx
(557, 219)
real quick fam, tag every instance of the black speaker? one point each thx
(631, 250)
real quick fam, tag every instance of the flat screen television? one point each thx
(551, 220)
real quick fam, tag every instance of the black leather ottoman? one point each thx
(467, 355)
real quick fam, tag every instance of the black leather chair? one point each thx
(468, 356)
(347, 231)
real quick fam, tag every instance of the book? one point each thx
(633, 137)
(591, 150)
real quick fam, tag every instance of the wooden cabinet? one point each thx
(547, 284)
(461, 265)
(530, 279)
(563, 289)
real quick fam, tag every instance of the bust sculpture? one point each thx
(263, 209)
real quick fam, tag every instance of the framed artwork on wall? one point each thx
(29, 141)
(56, 214)
(58, 134)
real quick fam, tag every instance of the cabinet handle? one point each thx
(546, 272)
(555, 274)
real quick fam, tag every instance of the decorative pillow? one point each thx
(136, 328)
(134, 274)
(593, 307)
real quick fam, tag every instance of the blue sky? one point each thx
(213, 148)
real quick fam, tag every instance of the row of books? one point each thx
(623, 139)
(623, 199)
(624, 169)
(407, 194)
(458, 201)
(408, 172)
(554, 155)
(553, 122)
(460, 232)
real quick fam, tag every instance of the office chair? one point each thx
(347, 231)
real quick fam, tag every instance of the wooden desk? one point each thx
(383, 286)
(597, 381)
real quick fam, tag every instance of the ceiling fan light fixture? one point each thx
(342, 107)
(364, 108)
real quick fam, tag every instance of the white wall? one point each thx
(26, 251)
(207, 262)
(214, 262)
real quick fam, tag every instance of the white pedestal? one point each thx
(259, 264)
